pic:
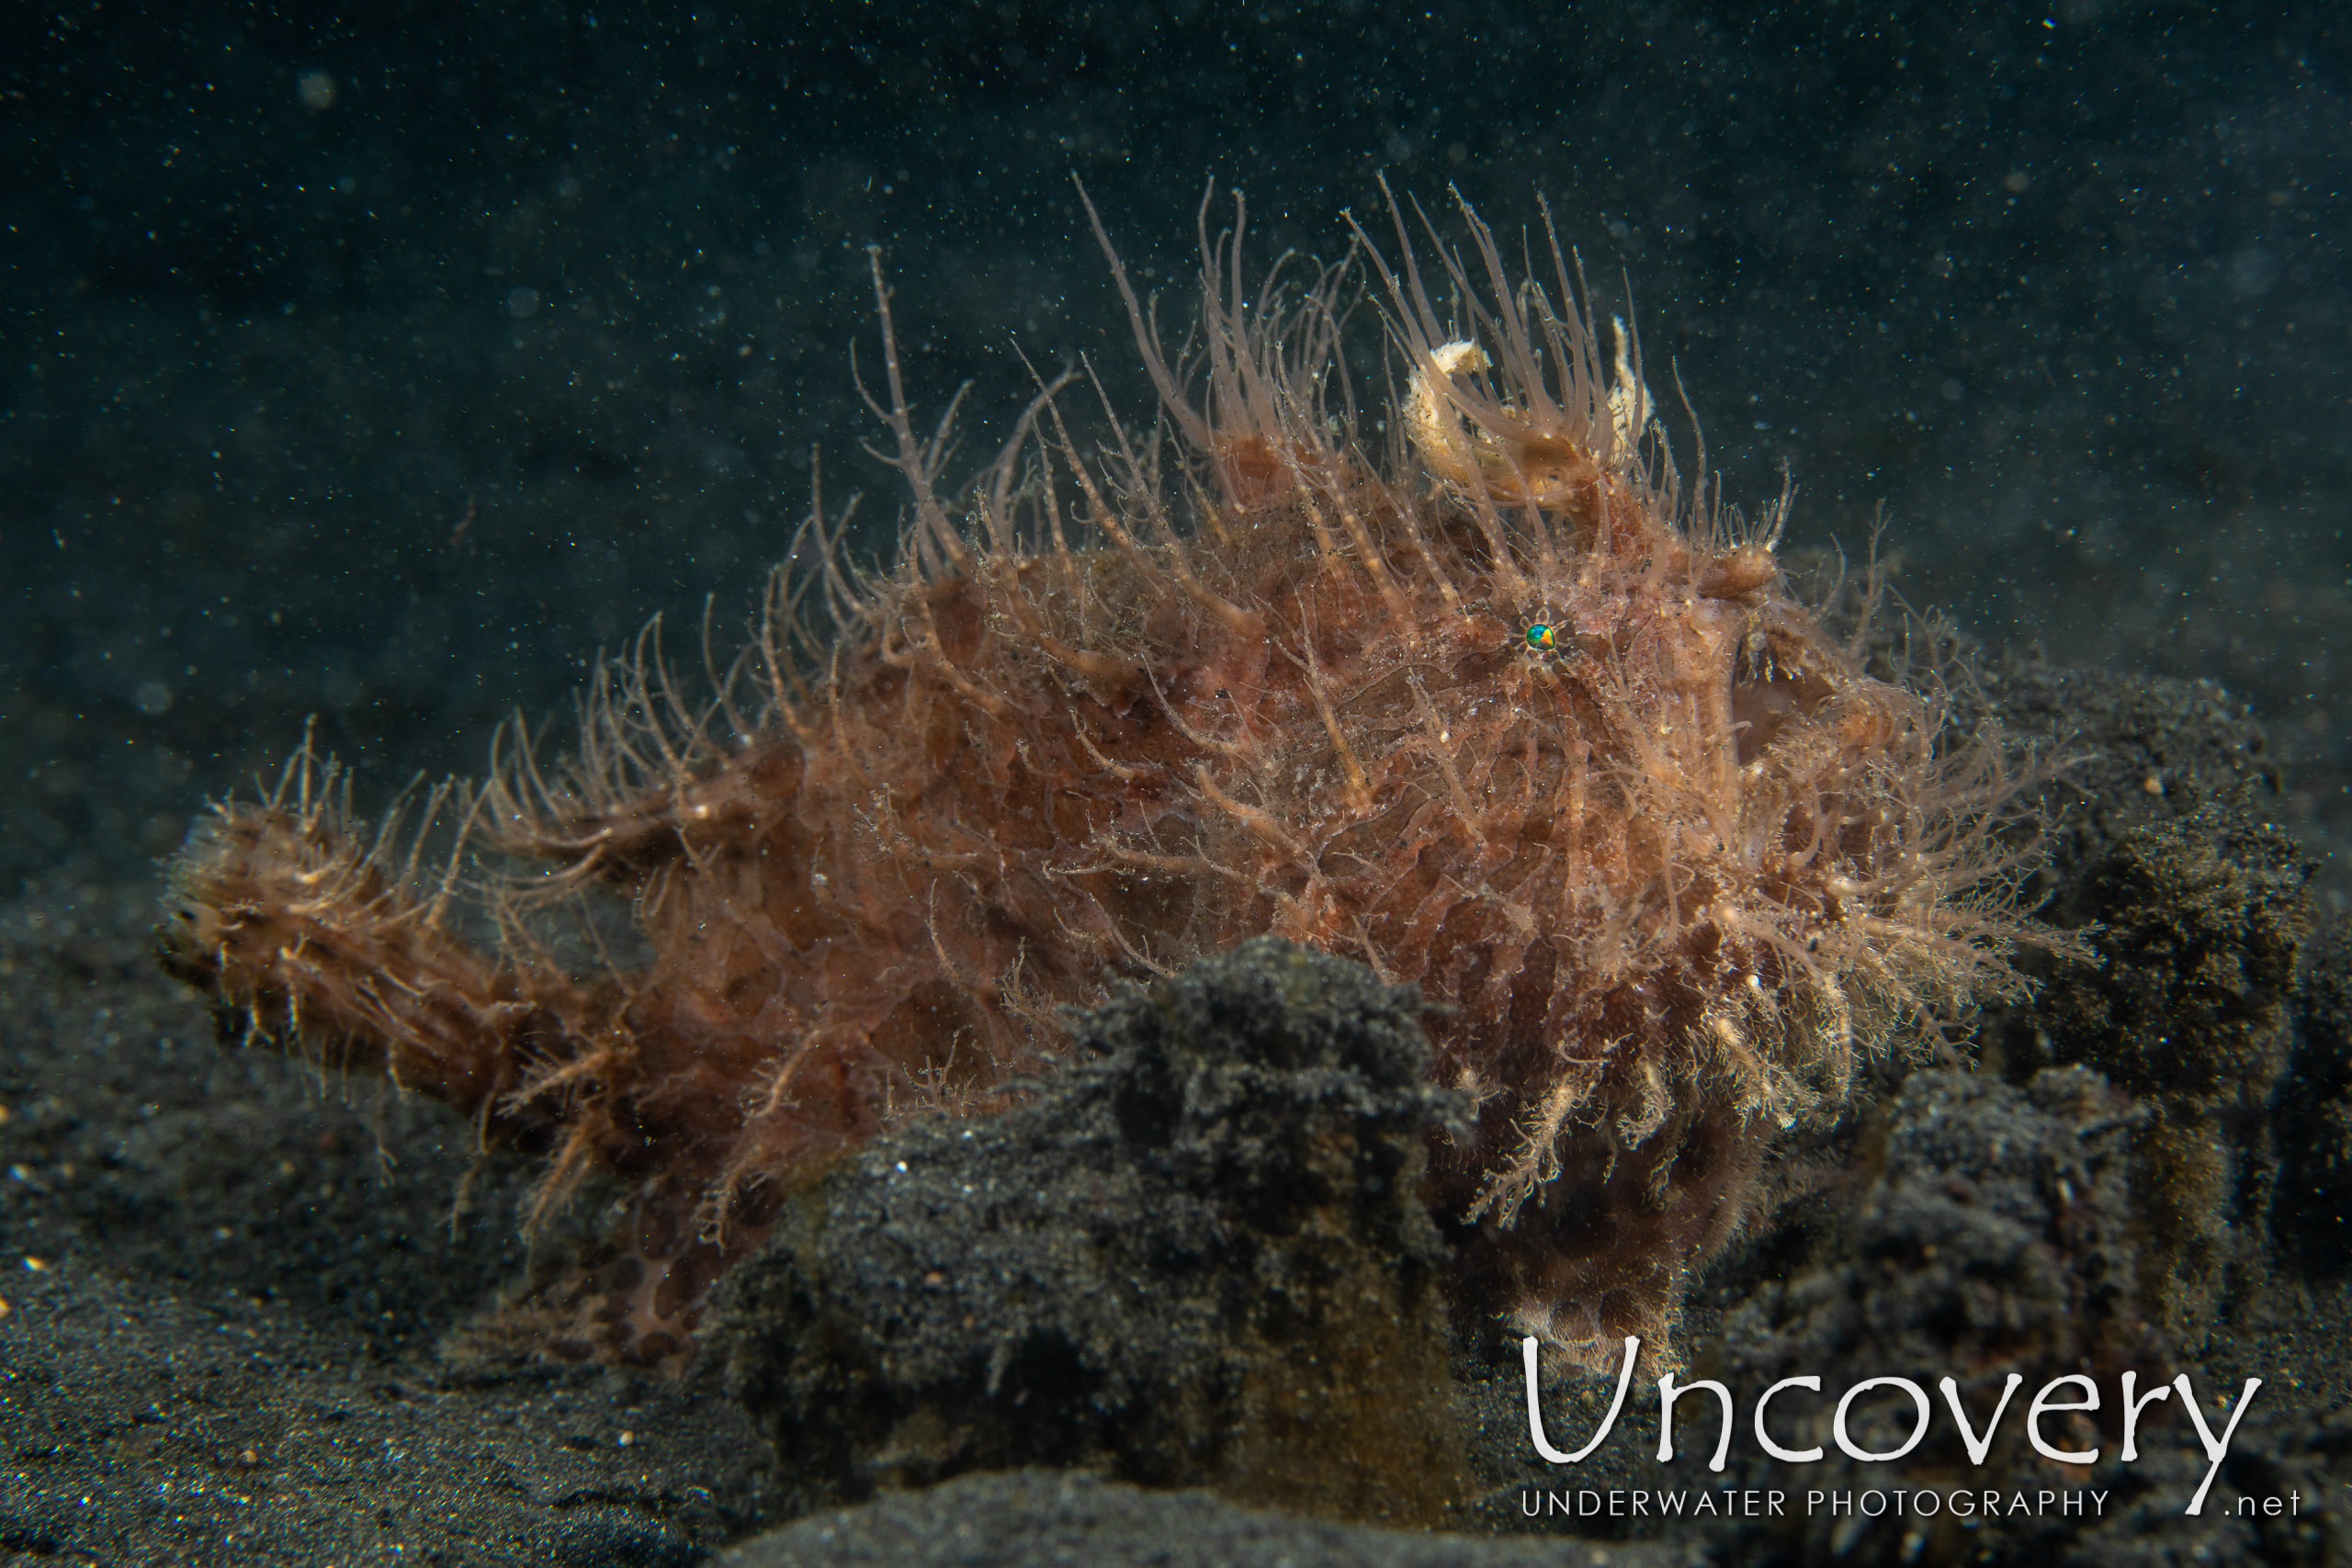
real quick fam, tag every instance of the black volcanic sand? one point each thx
(224, 1284)
(233, 1292)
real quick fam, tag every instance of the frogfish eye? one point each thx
(1539, 637)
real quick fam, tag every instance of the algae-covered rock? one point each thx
(1197, 1256)
(2199, 924)
(2166, 856)
(1991, 1234)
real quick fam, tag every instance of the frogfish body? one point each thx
(1500, 711)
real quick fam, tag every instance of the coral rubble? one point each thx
(1506, 712)
(1196, 1256)
(1990, 1232)
(1995, 1236)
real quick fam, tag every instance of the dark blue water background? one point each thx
(385, 364)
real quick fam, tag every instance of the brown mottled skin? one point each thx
(1660, 883)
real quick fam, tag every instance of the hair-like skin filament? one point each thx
(1663, 878)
